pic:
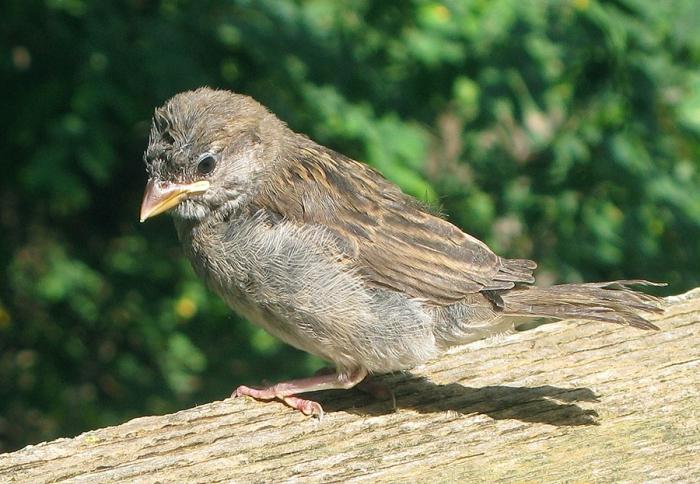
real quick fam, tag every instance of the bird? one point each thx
(324, 253)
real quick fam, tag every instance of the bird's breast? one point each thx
(284, 278)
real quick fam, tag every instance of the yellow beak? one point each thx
(162, 196)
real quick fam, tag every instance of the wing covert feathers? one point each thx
(391, 239)
(394, 242)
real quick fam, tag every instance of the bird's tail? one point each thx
(612, 302)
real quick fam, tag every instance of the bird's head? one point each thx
(207, 149)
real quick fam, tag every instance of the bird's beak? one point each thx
(162, 196)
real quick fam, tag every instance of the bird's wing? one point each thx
(390, 238)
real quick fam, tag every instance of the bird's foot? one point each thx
(370, 385)
(378, 390)
(286, 391)
(307, 407)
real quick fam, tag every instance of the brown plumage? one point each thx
(395, 242)
(326, 254)
(392, 239)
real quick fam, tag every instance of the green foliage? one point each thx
(567, 131)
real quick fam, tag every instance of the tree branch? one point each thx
(566, 401)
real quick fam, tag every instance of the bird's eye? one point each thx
(206, 165)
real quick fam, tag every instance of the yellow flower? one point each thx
(5, 319)
(185, 307)
(581, 4)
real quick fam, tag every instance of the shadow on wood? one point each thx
(543, 404)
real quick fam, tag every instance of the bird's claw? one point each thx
(307, 407)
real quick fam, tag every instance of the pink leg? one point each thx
(285, 391)
(378, 390)
(371, 386)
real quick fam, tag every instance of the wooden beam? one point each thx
(568, 401)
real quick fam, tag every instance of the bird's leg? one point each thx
(286, 391)
(370, 385)
(378, 390)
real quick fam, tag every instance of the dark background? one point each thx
(562, 131)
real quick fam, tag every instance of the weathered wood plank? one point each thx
(565, 402)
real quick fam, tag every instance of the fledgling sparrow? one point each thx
(327, 255)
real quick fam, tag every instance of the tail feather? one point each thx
(516, 270)
(612, 302)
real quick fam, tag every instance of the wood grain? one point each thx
(569, 401)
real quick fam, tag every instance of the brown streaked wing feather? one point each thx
(393, 241)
